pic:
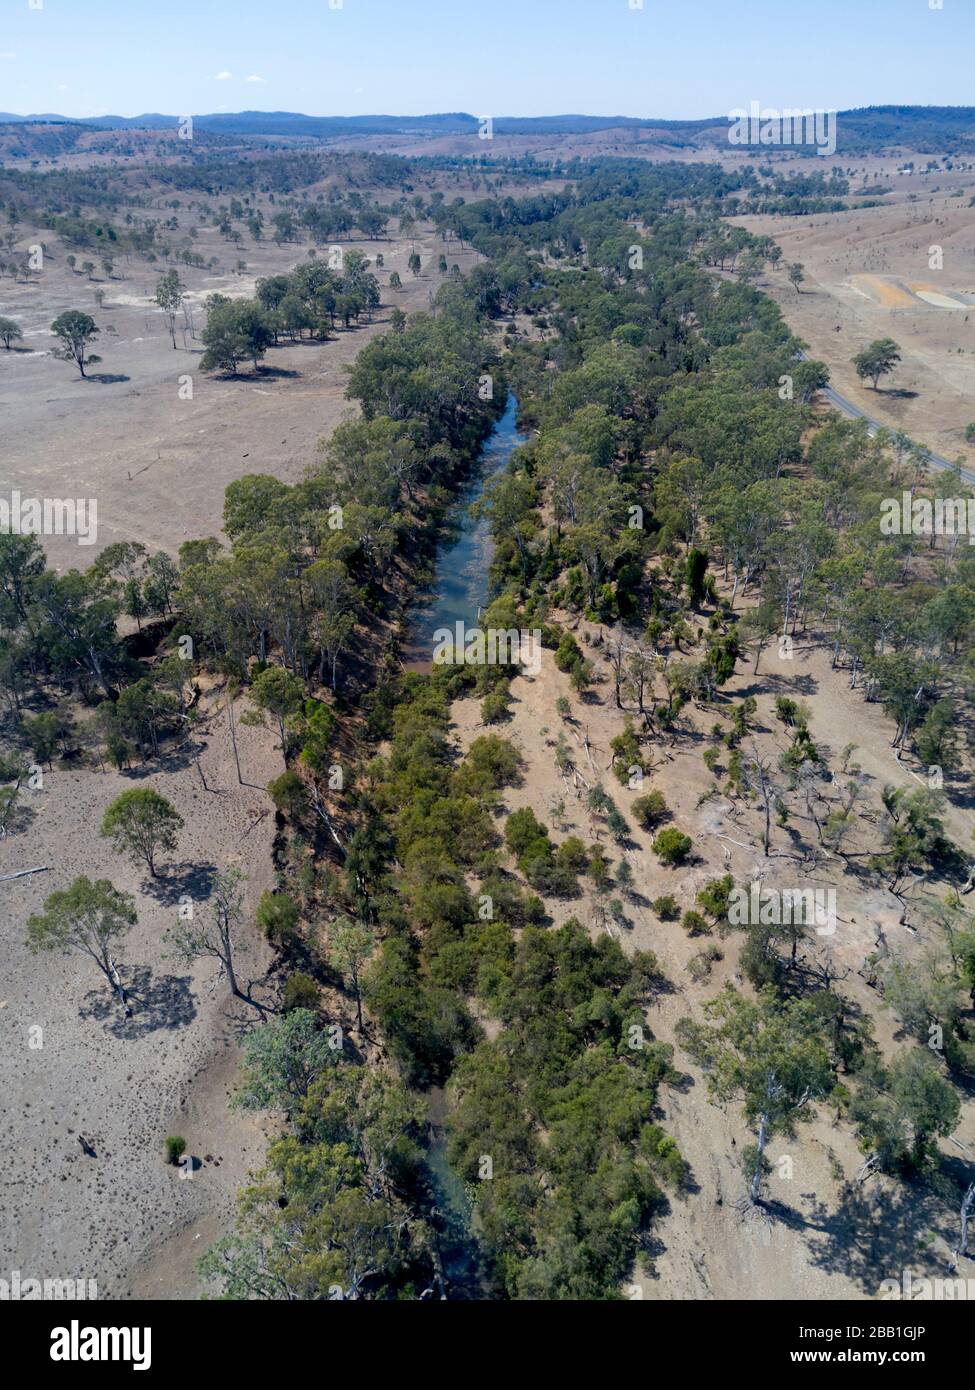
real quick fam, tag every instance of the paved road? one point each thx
(854, 411)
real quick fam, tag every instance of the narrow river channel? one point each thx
(458, 594)
(460, 589)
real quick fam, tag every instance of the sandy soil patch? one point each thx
(940, 301)
(885, 292)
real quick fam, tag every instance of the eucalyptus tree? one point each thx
(88, 918)
(769, 1054)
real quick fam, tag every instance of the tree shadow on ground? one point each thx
(19, 819)
(247, 1010)
(877, 1233)
(800, 684)
(181, 880)
(158, 1002)
(267, 373)
(107, 378)
(244, 1012)
(176, 758)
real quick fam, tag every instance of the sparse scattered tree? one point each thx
(141, 823)
(10, 332)
(169, 297)
(769, 1054)
(87, 917)
(74, 330)
(876, 360)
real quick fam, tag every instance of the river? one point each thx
(458, 594)
(460, 587)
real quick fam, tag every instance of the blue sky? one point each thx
(670, 58)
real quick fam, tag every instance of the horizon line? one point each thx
(49, 116)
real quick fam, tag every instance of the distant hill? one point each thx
(294, 123)
(929, 129)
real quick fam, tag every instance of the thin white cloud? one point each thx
(223, 77)
(254, 78)
(8, 55)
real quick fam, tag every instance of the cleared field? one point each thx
(870, 274)
(157, 462)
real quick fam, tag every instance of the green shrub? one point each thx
(714, 897)
(300, 992)
(546, 874)
(175, 1147)
(522, 828)
(120, 751)
(672, 847)
(695, 924)
(494, 707)
(650, 810)
(785, 709)
(277, 917)
(496, 759)
(695, 572)
(581, 676)
(662, 1154)
(626, 752)
(572, 854)
(617, 824)
(568, 654)
(598, 867)
(667, 908)
(289, 794)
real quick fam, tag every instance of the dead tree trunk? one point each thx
(967, 1207)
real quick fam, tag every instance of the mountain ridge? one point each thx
(948, 129)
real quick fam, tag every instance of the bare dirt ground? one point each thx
(156, 463)
(869, 274)
(828, 1238)
(125, 1084)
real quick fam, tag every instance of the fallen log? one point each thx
(22, 873)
